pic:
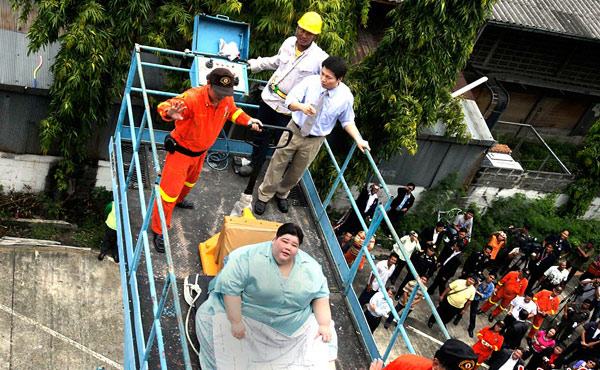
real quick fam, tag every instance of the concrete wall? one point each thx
(25, 172)
(491, 183)
(30, 173)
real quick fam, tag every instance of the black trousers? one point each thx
(262, 139)
(373, 321)
(472, 315)
(439, 282)
(446, 312)
(399, 267)
(366, 296)
(109, 241)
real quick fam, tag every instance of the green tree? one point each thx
(405, 84)
(582, 192)
(97, 37)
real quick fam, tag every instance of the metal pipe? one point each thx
(470, 86)
(564, 168)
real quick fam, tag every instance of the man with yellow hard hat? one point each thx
(298, 57)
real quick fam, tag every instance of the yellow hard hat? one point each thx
(311, 22)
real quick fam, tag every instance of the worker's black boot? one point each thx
(185, 204)
(159, 243)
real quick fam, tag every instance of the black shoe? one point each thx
(116, 258)
(101, 256)
(259, 207)
(456, 321)
(185, 204)
(386, 325)
(159, 243)
(470, 332)
(490, 318)
(430, 324)
(479, 312)
(282, 204)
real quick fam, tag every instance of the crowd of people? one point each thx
(514, 282)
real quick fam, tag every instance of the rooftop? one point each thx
(577, 18)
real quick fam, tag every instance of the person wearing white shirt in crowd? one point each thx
(554, 276)
(463, 220)
(409, 244)
(385, 268)
(378, 308)
(520, 303)
(317, 103)
(507, 360)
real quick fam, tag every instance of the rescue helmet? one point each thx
(311, 22)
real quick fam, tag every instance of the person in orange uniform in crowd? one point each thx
(199, 114)
(352, 253)
(547, 304)
(453, 355)
(497, 242)
(510, 286)
(490, 340)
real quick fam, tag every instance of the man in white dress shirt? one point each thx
(385, 269)
(317, 103)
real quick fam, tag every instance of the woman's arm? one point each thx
(233, 307)
(322, 313)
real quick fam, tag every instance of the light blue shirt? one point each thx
(252, 273)
(337, 106)
(401, 205)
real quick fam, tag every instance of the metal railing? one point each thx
(348, 274)
(139, 343)
(536, 134)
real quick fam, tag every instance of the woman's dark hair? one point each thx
(292, 229)
(337, 65)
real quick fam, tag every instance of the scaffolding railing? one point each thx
(138, 342)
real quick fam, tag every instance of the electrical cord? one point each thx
(214, 158)
(187, 321)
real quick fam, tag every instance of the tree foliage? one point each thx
(404, 86)
(586, 187)
(97, 38)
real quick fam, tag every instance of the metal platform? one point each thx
(214, 196)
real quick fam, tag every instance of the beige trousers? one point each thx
(303, 149)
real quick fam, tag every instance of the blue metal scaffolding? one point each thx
(138, 342)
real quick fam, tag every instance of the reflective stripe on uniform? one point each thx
(492, 302)
(164, 196)
(536, 327)
(189, 185)
(502, 308)
(236, 115)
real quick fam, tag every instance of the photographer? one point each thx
(574, 316)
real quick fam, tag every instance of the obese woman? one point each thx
(268, 309)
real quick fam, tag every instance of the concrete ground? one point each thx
(60, 308)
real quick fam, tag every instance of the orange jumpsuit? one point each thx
(483, 352)
(410, 362)
(508, 287)
(545, 304)
(202, 122)
(496, 246)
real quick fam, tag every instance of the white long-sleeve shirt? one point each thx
(384, 273)
(381, 306)
(309, 64)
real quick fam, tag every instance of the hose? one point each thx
(214, 158)
(187, 321)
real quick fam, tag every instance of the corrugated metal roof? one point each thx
(16, 67)
(579, 18)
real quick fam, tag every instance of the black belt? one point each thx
(309, 136)
(171, 145)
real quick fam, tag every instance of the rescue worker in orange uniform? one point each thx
(490, 340)
(547, 304)
(199, 114)
(510, 286)
(453, 355)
